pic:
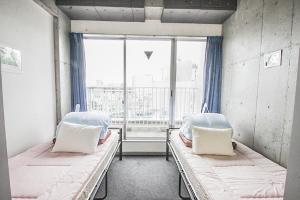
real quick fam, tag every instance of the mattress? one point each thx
(247, 175)
(39, 174)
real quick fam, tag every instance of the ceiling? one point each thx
(168, 11)
(102, 13)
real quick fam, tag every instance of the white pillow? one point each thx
(212, 141)
(77, 138)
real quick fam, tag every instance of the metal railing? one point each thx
(145, 105)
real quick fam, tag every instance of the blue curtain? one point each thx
(212, 75)
(78, 86)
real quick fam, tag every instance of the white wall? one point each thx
(151, 27)
(64, 63)
(4, 186)
(29, 97)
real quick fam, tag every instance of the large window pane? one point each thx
(189, 78)
(148, 87)
(147, 82)
(104, 77)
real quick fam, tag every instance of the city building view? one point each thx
(147, 92)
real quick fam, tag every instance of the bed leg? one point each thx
(179, 189)
(167, 145)
(106, 188)
(121, 145)
(120, 152)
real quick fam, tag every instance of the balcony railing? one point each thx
(145, 105)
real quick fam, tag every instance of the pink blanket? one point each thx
(245, 176)
(39, 174)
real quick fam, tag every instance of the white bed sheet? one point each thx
(39, 174)
(248, 175)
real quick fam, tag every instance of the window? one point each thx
(148, 87)
(130, 80)
(189, 75)
(104, 77)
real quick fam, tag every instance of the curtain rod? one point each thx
(143, 37)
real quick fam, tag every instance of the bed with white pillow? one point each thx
(239, 174)
(73, 169)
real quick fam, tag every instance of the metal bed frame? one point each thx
(182, 174)
(105, 171)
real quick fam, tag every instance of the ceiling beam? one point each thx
(104, 3)
(201, 4)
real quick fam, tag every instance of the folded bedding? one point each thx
(245, 176)
(39, 173)
(89, 118)
(205, 120)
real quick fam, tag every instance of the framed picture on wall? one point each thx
(10, 60)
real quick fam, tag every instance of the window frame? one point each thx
(173, 68)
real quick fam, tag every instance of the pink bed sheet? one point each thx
(245, 176)
(39, 174)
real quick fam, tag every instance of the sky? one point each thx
(104, 61)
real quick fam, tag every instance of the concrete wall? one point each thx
(64, 28)
(259, 102)
(48, 5)
(29, 96)
(293, 175)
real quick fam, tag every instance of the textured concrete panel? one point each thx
(195, 16)
(153, 13)
(48, 5)
(242, 107)
(138, 14)
(260, 27)
(154, 3)
(290, 102)
(242, 32)
(104, 13)
(80, 12)
(292, 186)
(277, 24)
(120, 14)
(239, 98)
(114, 3)
(296, 23)
(271, 108)
(226, 88)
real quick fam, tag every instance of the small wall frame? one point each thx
(10, 60)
